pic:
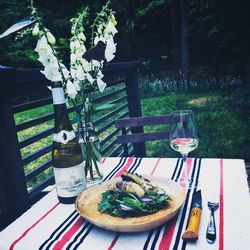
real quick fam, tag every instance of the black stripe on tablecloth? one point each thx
(115, 170)
(66, 223)
(184, 212)
(59, 230)
(175, 176)
(184, 243)
(82, 234)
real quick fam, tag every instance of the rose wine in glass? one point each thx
(183, 138)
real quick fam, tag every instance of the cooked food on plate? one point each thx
(133, 196)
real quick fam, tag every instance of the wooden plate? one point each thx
(87, 201)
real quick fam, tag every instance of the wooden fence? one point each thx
(22, 90)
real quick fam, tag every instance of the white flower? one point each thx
(110, 49)
(100, 74)
(73, 71)
(101, 84)
(83, 48)
(79, 53)
(65, 71)
(72, 46)
(77, 44)
(82, 37)
(72, 58)
(113, 19)
(86, 65)
(80, 75)
(111, 29)
(35, 30)
(71, 89)
(95, 63)
(99, 38)
(42, 46)
(51, 38)
(77, 85)
(52, 74)
(90, 78)
(48, 60)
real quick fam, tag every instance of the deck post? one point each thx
(13, 192)
(134, 106)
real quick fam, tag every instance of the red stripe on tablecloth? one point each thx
(170, 227)
(126, 166)
(114, 241)
(156, 165)
(67, 236)
(71, 231)
(26, 231)
(168, 234)
(118, 234)
(104, 159)
(221, 234)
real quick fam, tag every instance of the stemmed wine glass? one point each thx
(183, 138)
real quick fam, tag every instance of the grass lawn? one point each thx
(223, 132)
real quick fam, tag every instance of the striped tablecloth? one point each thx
(51, 225)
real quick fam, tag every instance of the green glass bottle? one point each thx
(67, 159)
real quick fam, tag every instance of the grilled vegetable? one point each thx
(131, 187)
(147, 186)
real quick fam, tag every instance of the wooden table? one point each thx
(51, 225)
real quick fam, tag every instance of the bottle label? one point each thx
(64, 136)
(70, 181)
(58, 95)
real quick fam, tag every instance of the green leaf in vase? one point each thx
(104, 106)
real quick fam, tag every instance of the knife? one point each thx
(192, 230)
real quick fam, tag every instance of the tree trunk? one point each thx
(178, 12)
(184, 47)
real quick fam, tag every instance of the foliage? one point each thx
(218, 31)
(123, 204)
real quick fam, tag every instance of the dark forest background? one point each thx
(178, 35)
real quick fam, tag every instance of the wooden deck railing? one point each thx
(23, 90)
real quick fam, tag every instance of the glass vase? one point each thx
(91, 150)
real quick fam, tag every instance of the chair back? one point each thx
(133, 133)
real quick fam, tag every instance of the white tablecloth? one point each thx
(51, 225)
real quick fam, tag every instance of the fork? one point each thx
(211, 229)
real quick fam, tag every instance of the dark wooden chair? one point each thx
(133, 137)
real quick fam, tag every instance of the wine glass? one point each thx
(183, 139)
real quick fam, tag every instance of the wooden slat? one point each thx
(38, 170)
(110, 114)
(35, 138)
(120, 66)
(141, 121)
(34, 122)
(108, 147)
(31, 105)
(37, 154)
(38, 121)
(106, 96)
(110, 136)
(35, 191)
(141, 137)
(115, 151)
(119, 99)
(108, 125)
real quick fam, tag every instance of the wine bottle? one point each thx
(67, 159)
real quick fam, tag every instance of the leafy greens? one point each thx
(124, 204)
